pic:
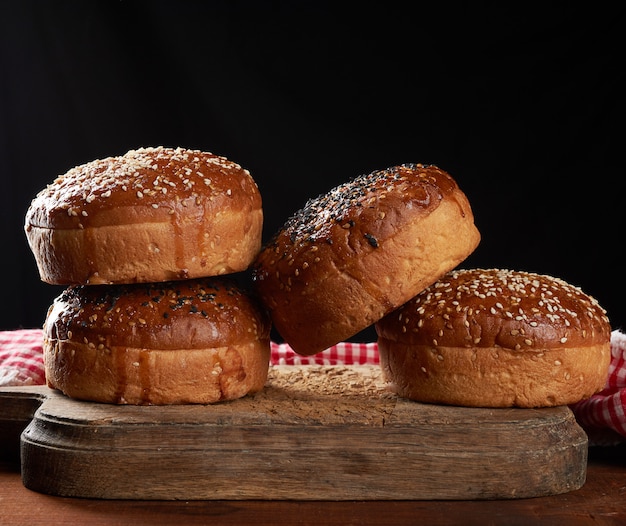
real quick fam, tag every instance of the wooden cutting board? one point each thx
(314, 433)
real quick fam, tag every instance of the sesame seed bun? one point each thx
(153, 214)
(496, 338)
(185, 342)
(352, 255)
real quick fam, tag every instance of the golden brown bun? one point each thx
(363, 249)
(496, 338)
(193, 341)
(153, 214)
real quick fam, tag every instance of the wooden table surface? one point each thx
(602, 500)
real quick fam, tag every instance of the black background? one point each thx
(523, 106)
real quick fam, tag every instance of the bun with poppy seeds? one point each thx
(185, 342)
(496, 338)
(352, 255)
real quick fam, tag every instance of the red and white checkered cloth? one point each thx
(606, 411)
(21, 357)
(603, 415)
(345, 353)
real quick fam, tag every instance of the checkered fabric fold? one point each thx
(344, 353)
(606, 410)
(21, 357)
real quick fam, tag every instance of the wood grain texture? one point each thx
(599, 502)
(314, 433)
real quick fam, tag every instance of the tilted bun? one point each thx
(192, 341)
(351, 256)
(153, 214)
(496, 338)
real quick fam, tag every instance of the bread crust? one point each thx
(192, 341)
(153, 214)
(356, 253)
(496, 338)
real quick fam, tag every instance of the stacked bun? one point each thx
(191, 341)
(153, 214)
(353, 255)
(145, 242)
